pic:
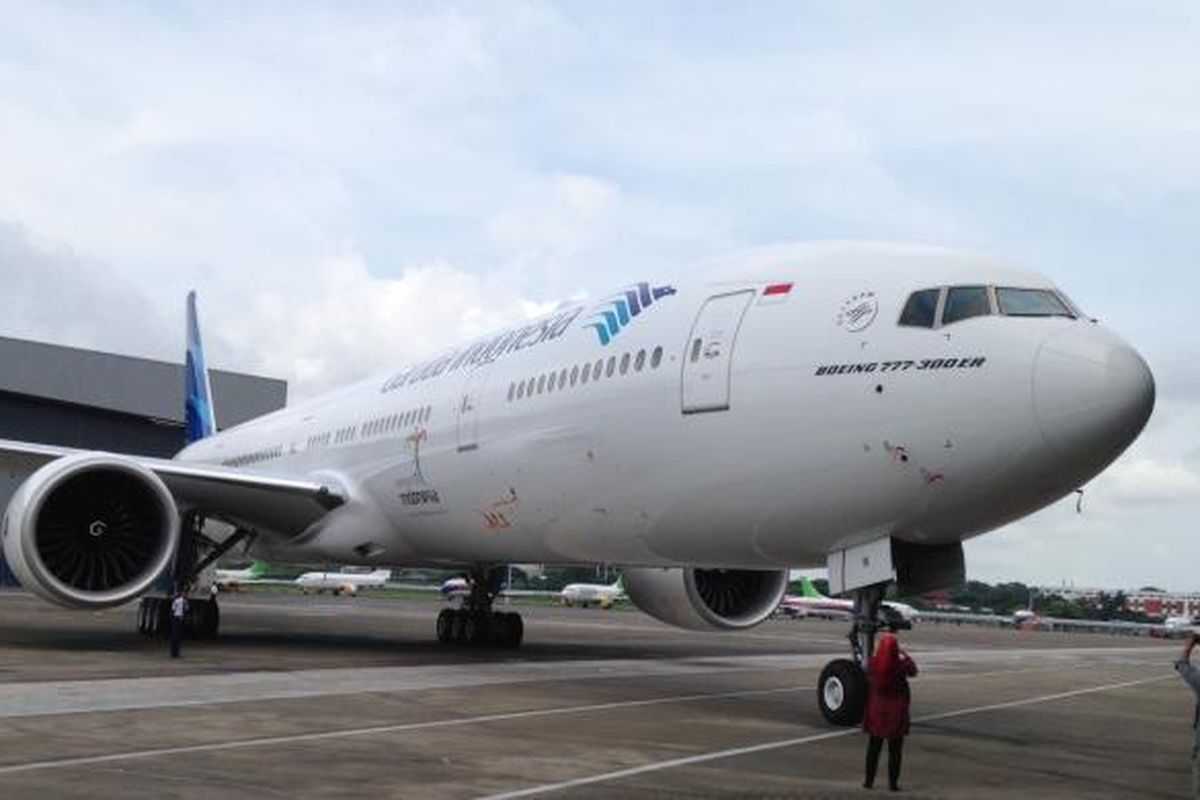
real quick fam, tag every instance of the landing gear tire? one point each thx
(475, 628)
(152, 617)
(203, 619)
(463, 626)
(842, 692)
(445, 626)
(507, 629)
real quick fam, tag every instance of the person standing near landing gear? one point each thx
(886, 714)
(178, 612)
(1187, 670)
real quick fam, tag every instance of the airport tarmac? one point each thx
(316, 696)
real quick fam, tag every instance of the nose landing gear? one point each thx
(842, 687)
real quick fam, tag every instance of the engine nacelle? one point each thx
(706, 599)
(90, 530)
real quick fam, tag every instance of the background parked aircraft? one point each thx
(812, 603)
(343, 583)
(231, 579)
(598, 594)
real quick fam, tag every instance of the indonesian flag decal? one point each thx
(775, 292)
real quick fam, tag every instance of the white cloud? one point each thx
(346, 323)
(348, 187)
(1148, 480)
(53, 294)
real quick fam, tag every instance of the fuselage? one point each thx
(756, 413)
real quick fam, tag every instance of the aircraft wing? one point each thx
(250, 499)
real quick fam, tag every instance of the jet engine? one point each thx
(706, 599)
(90, 530)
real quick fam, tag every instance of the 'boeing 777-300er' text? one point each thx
(866, 407)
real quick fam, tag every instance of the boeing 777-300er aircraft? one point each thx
(866, 407)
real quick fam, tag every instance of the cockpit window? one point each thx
(921, 308)
(964, 302)
(1031, 303)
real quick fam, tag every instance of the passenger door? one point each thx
(468, 408)
(708, 360)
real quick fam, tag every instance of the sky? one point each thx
(349, 185)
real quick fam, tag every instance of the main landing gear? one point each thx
(475, 622)
(202, 619)
(842, 687)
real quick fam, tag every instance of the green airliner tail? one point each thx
(808, 590)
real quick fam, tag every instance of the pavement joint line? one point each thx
(48, 698)
(556, 711)
(266, 741)
(701, 758)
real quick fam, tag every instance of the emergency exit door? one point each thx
(708, 360)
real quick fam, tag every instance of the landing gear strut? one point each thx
(842, 687)
(203, 617)
(475, 622)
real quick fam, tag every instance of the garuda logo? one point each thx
(617, 312)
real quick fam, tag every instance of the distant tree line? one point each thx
(1005, 598)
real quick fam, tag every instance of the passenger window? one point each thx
(640, 361)
(921, 308)
(512, 391)
(656, 358)
(521, 390)
(625, 363)
(562, 378)
(612, 365)
(695, 350)
(574, 374)
(597, 369)
(964, 302)
(587, 373)
(1031, 303)
(550, 381)
(541, 384)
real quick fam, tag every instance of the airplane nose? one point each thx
(1092, 396)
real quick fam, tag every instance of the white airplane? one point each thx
(866, 407)
(343, 583)
(455, 588)
(231, 579)
(1023, 618)
(603, 595)
(810, 602)
(1178, 626)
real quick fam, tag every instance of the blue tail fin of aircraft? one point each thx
(200, 419)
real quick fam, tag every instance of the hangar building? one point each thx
(80, 398)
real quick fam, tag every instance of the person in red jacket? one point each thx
(886, 715)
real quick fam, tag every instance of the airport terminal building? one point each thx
(81, 398)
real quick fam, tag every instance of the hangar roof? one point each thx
(139, 386)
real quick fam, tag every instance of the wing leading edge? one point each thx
(272, 503)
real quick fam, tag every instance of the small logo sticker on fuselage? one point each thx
(857, 313)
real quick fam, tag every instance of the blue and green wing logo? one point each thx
(615, 314)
